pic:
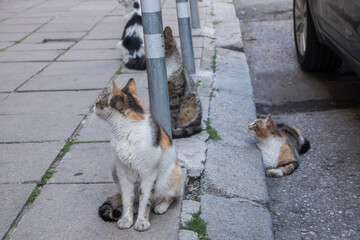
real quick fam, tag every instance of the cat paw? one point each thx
(161, 208)
(274, 173)
(142, 225)
(124, 223)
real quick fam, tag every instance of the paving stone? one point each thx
(91, 54)
(5, 44)
(70, 212)
(48, 116)
(86, 162)
(197, 42)
(26, 21)
(96, 44)
(228, 34)
(95, 129)
(67, 27)
(188, 208)
(73, 75)
(40, 46)
(12, 37)
(235, 219)
(38, 37)
(66, 19)
(11, 77)
(3, 96)
(187, 235)
(25, 162)
(191, 155)
(48, 102)
(107, 31)
(12, 199)
(10, 28)
(29, 56)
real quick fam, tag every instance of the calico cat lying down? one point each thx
(146, 168)
(280, 145)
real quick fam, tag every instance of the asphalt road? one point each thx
(321, 199)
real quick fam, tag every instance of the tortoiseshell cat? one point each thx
(280, 145)
(145, 159)
(185, 104)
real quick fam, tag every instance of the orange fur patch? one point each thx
(175, 176)
(116, 200)
(134, 115)
(286, 155)
(297, 130)
(165, 142)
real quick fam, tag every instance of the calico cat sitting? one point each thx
(280, 145)
(185, 104)
(146, 165)
(131, 44)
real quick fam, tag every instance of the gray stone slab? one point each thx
(94, 129)
(38, 37)
(43, 116)
(3, 96)
(188, 208)
(86, 162)
(187, 235)
(11, 28)
(12, 75)
(91, 54)
(29, 56)
(67, 27)
(12, 199)
(228, 34)
(235, 219)
(40, 46)
(25, 162)
(11, 37)
(5, 44)
(235, 171)
(107, 31)
(197, 41)
(96, 44)
(25, 21)
(70, 212)
(73, 75)
(191, 155)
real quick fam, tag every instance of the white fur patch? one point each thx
(276, 172)
(270, 149)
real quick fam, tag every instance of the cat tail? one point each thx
(185, 131)
(136, 63)
(282, 170)
(301, 144)
(110, 210)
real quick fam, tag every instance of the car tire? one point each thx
(312, 55)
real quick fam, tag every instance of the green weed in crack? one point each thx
(198, 225)
(213, 134)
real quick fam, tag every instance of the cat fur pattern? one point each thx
(146, 168)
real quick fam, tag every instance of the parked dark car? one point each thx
(326, 32)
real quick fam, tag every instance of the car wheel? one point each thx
(312, 55)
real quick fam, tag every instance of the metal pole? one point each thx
(186, 43)
(155, 63)
(194, 9)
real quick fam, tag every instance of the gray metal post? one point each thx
(155, 63)
(194, 9)
(186, 43)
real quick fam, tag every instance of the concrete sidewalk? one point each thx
(56, 57)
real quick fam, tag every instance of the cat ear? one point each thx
(130, 87)
(269, 121)
(116, 90)
(168, 36)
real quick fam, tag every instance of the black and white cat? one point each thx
(131, 44)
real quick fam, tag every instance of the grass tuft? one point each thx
(1, 50)
(216, 22)
(33, 196)
(213, 134)
(119, 72)
(199, 83)
(48, 174)
(212, 14)
(213, 63)
(196, 197)
(198, 225)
